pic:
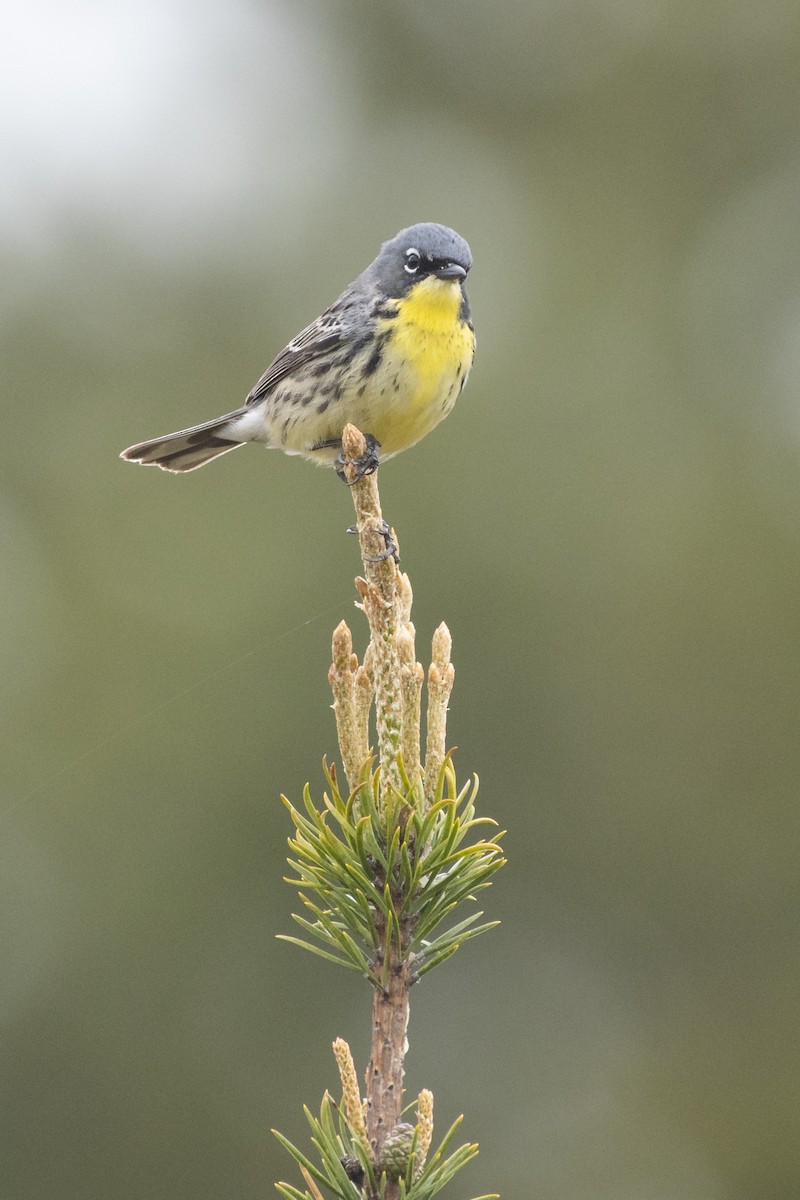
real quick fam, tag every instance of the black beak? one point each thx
(450, 270)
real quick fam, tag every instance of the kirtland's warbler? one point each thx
(390, 356)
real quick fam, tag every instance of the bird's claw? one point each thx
(392, 550)
(366, 465)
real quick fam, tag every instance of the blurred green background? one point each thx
(609, 523)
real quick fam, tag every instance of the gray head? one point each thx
(417, 252)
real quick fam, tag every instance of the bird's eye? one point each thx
(412, 262)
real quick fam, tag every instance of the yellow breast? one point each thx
(427, 360)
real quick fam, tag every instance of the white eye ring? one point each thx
(413, 260)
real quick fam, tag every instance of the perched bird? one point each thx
(390, 356)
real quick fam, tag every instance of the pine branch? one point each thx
(381, 868)
(383, 604)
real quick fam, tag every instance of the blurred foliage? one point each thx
(616, 548)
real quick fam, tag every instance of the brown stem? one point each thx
(379, 591)
(390, 674)
(385, 1072)
(396, 678)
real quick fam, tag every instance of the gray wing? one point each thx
(338, 327)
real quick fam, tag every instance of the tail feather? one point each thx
(189, 448)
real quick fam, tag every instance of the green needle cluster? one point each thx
(380, 869)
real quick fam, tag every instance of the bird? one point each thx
(391, 356)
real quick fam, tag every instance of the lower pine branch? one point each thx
(385, 1072)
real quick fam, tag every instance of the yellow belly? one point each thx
(426, 352)
(424, 368)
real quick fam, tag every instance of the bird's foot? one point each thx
(366, 465)
(392, 550)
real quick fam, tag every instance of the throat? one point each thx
(432, 304)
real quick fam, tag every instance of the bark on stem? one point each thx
(386, 598)
(392, 675)
(385, 1072)
(379, 591)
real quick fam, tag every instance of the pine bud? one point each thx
(353, 1169)
(395, 1153)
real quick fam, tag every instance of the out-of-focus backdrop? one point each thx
(609, 522)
